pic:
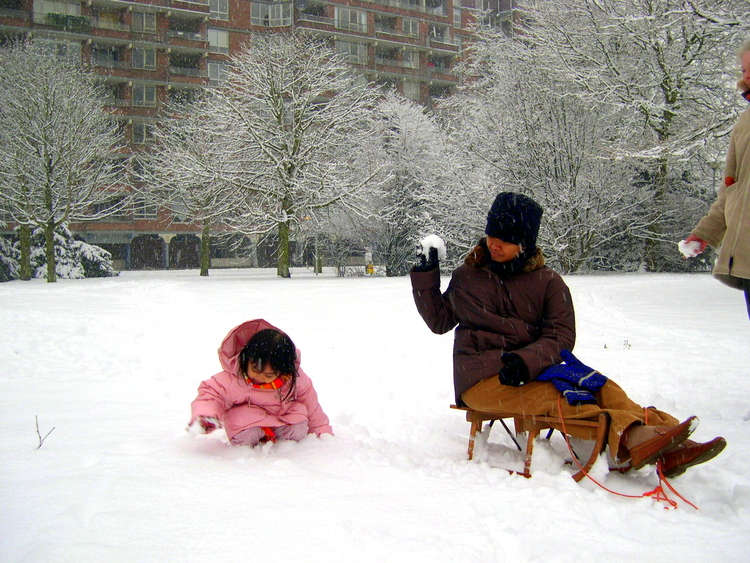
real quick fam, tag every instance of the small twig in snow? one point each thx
(41, 440)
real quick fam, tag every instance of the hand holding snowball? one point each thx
(430, 250)
(692, 246)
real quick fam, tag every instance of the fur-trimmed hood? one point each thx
(479, 257)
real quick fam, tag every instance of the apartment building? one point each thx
(150, 51)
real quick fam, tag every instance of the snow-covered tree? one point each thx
(9, 258)
(295, 116)
(523, 137)
(664, 67)
(57, 145)
(192, 170)
(74, 259)
(408, 142)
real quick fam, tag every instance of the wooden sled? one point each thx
(595, 429)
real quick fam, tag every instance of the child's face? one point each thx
(267, 375)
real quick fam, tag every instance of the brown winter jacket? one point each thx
(727, 224)
(529, 314)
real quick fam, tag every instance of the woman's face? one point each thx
(745, 67)
(502, 251)
(267, 375)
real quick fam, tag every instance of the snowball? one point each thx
(195, 428)
(433, 241)
(689, 249)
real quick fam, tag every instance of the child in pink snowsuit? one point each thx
(262, 394)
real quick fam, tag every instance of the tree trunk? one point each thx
(49, 251)
(282, 266)
(650, 253)
(205, 249)
(24, 239)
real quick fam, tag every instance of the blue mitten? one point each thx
(574, 379)
(575, 372)
(574, 395)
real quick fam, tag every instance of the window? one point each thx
(438, 32)
(411, 27)
(411, 90)
(353, 20)
(111, 209)
(217, 73)
(219, 9)
(441, 64)
(411, 59)
(180, 96)
(62, 50)
(144, 96)
(271, 15)
(355, 52)
(107, 20)
(115, 95)
(144, 58)
(144, 22)
(438, 92)
(386, 24)
(179, 212)
(386, 56)
(143, 133)
(143, 209)
(218, 40)
(456, 17)
(105, 56)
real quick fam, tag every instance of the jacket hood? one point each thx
(479, 257)
(235, 341)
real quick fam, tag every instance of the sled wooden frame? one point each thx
(595, 429)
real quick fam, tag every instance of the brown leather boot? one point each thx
(690, 453)
(649, 451)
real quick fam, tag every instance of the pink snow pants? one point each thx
(252, 436)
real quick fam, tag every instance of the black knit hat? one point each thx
(514, 218)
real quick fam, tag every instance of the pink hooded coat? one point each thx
(239, 405)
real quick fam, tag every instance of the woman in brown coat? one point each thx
(514, 317)
(727, 224)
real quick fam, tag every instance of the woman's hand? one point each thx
(515, 372)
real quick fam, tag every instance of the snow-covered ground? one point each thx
(113, 364)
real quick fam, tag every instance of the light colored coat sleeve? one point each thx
(712, 227)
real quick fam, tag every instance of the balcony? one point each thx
(100, 23)
(117, 102)
(110, 63)
(188, 71)
(73, 24)
(439, 10)
(187, 35)
(14, 14)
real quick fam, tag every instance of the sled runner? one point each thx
(592, 428)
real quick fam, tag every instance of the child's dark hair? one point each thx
(270, 347)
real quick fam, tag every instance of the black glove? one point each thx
(515, 372)
(426, 264)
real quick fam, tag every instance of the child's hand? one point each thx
(204, 425)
